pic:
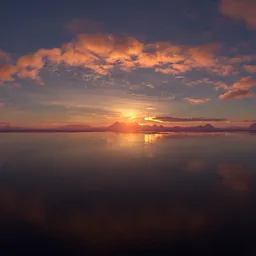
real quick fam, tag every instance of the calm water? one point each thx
(91, 193)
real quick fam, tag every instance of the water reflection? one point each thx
(102, 193)
(237, 177)
(152, 138)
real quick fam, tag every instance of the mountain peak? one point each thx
(253, 127)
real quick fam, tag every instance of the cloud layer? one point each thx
(171, 119)
(102, 53)
(197, 101)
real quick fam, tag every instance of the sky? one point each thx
(95, 62)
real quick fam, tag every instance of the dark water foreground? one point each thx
(127, 194)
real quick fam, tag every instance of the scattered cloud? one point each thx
(187, 119)
(150, 86)
(203, 55)
(30, 61)
(245, 83)
(101, 53)
(250, 68)
(236, 94)
(241, 59)
(196, 101)
(200, 81)
(243, 10)
(7, 72)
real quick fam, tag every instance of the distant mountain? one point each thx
(75, 127)
(134, 127)
(253, 127)
(124, 127)
(209, 127)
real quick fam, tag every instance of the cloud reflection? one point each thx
(236, 177)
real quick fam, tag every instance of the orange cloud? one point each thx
(203, 56)
(243, 10)
(236, 94)
(7, 72)
(53, 55)
(101, 45)
(197, 101)
(30, 61)
(245, 83)
(31, 74)
(29, 66)
(147, 60)
(223, 70)
(241, 59)
(102, 52)
(250, 68)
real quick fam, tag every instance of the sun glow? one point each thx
(130, 115)
(152, 119)
(152, 138)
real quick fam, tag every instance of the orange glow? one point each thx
(152, 119)
(152, 138)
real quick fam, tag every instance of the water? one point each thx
(122, 194)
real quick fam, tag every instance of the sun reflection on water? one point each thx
(152, 138)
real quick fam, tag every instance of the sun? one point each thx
(131, 115)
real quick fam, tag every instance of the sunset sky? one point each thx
(97, 62)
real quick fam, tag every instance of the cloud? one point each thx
(236, 94)
(30, 74)
(223, 70)
(7, 72)
(250, 68)
(196, 101)
(187, 119)
(241, 59)
(221, 85)
(200, 81)
(29, 66)
(53, 55)
(101, 53)
(30, 61)
(243, 10)
(245, 83)
(203, 55)
(1, 104)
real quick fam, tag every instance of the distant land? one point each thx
(120, 127)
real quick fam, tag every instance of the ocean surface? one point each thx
(128, 194)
